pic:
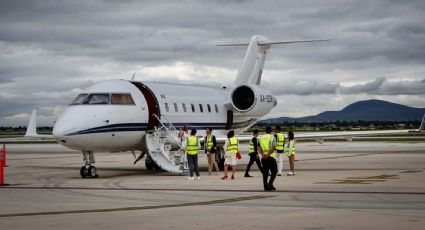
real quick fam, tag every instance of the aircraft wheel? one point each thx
(156, 166)
(83, 172)
(91, 171)
(149, 163)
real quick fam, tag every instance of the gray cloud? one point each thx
(381, 86)
(369, 87)
(302, 88)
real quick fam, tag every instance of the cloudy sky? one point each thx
(52, 50)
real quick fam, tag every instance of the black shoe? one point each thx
(271, 188)
(247, 175)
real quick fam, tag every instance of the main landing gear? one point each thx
(150, 164)
(88, 170)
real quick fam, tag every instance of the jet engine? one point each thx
(252, 100)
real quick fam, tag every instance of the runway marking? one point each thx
(412, 171)
(214, 190)
(81, 211)
(362, 180)
(379, 177)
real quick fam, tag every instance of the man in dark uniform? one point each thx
(253, 154)
(267, 151)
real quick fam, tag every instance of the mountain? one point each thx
(370, 110)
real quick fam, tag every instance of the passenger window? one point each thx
(209, 108)
(97, 99)
(201, 108)
(79, 99)
(193, 108)
(184, 107)
(122, 99)
(166, 107)
(216, 108)
(176, 108)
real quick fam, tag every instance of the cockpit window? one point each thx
(122, 99)
(97, 99)
(79, 99)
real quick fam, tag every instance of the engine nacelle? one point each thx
(252, 100)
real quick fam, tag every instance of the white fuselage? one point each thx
(121, 127)
(115, 115)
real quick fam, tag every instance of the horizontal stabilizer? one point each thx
(277, 42)
(252, 65)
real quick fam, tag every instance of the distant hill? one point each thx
(370, 110)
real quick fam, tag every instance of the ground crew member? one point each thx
(253, 154)
(232, 146)
(290, 152)
(280, 143)
(268, 146)
(210, 145)
(192, 146)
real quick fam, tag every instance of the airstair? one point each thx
(160, 143)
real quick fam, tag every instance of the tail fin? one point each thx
(32, 126)
(252, 66)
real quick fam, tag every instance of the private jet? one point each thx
(128, 115)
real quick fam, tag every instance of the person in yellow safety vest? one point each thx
(280, 143)
(192, 146)
(253, 153)
(231, 145)
(210, 145)
(268, 146)
(290, 152)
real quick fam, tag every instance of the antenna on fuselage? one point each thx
(134, 75)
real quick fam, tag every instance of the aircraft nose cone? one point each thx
(58, 131)
(63, 126)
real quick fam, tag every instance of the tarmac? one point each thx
(338, 185)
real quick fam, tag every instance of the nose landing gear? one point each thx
(88, 170)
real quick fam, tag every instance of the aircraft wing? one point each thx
(348, 135)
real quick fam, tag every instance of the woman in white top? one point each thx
(183, 134)
(230, 155)
(290, 152)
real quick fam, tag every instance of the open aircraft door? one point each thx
(152, 102)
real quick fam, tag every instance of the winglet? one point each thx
(422, 127)
(32, 126)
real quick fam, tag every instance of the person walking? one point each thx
(210, 145)
(183, 133)
(231, 145)
(268, 146)
(253, 154)
(290, 152)
(280, 143)
(192, 146)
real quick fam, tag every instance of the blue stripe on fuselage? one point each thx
(126, 127)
